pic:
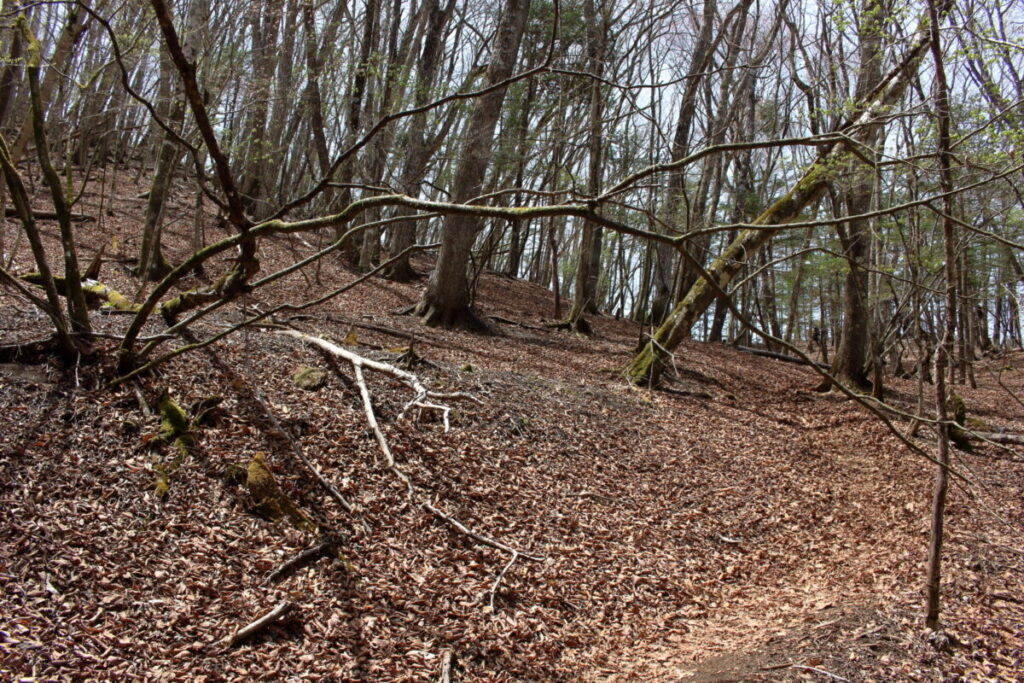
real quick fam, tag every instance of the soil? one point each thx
(741, 527)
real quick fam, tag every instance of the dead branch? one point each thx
(595, 496)
(11, 212)
(486, 540)
(998, 437)
(257, 626)
(832, 676)
(382, 441)
(310, 467)
(527, 326)
(446, 667)
(420, 400)
(781, 356)
(325, 548)
(409, 379)
(497, 581)
(390, 331)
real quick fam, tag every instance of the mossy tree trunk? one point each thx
(78, 312)
(648, 364)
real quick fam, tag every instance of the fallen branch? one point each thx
(326, 548)
(997, 437)
(96, 293)
(596, 496)
(30, 353)
(407, 378)
(486, 540)
(447, 661)
(257, 626)
(301, 457)
(497, 581)
(11, 212)
(507, 321)
(821, 671)
(359, 363)
(382, 441)
(783, 357)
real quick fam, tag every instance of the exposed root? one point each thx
(463, 318)
(29, 353)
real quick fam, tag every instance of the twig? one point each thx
(307, 556)
(446, 667)
(596, 496)
(486, 540)
(822, 672)
(301, 457)
(497, 581)
(258, 626)
(143, 404)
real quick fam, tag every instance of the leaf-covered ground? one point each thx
(741, 528)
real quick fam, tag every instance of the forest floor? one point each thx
(742, 527)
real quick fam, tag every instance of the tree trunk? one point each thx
(403, 235)
(264, 32)
(648, 364)
(589, 263)
(850, 364)
(446, 299)
(945, 348)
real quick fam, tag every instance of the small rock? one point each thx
(309, 378)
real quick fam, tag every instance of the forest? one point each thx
(553, 340)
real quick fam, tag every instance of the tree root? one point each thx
(29, 353)
(463, 318)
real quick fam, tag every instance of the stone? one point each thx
(309, 378)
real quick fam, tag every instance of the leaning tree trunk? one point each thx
(665, 261)
(649, 363)
(77, 310)
(446, 299)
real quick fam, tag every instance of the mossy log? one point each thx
(176, 430)
(229, 286)
(96, 293)
(175, 425)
